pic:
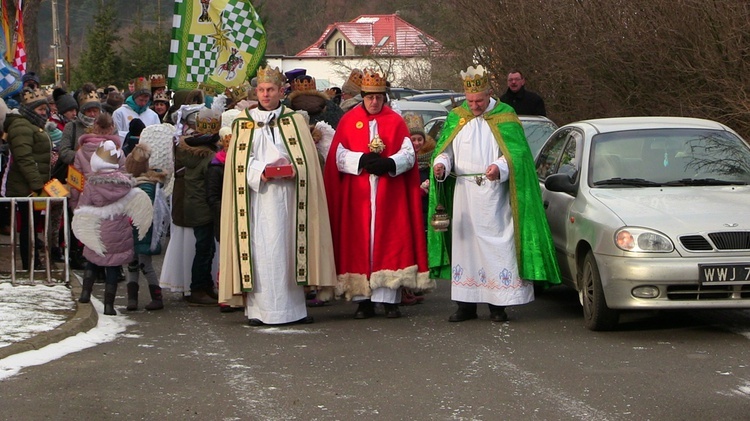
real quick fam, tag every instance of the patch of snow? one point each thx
(27, 310)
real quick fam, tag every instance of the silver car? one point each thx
(649, 213)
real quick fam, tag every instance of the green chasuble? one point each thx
(534, 247)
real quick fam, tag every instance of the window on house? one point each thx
(340, 47)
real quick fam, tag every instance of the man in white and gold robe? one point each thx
(275, 231)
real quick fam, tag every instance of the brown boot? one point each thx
(201, 299)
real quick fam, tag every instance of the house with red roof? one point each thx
(385, 43)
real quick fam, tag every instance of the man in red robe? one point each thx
(375, 206)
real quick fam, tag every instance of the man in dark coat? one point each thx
(523, 101)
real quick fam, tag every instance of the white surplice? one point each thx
(276, 298)
(483, 257)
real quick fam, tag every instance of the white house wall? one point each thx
(333, 71)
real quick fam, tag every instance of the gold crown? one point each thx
(142, 84)
(355, 77)
(109, 152)
(30, 96)
(271, 75)
(372, 82)
(304, 83)
(237, 93)
(161, 96)
(414, 122)
(476, 80)
(89, 97)
(158, 81)
(207, 122)
(330, 92)
(207, 89)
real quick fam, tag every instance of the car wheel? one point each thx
(596, 314)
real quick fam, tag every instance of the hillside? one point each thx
(290, 27)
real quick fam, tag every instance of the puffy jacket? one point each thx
(30, 147)
(88, 144)
(100, 190)
(195, 153)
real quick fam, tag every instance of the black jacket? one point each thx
(524, 102)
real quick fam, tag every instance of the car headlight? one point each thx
(642, 240)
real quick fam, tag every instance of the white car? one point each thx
(649, 213)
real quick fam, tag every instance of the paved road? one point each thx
(197, 363)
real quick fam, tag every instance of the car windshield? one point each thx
(537, 133)
(668, 157)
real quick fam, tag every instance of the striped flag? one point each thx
(215, 43)
(19, 59)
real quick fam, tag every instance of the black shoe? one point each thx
(365, 310)
(255, 322)
(392, 311)
(56, 254)
(462, 315)
(304, 321)
(498, 314)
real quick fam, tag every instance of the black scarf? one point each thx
(32, 116)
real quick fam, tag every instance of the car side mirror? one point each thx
(561, 183)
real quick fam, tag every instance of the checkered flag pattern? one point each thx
(6, 77)
(200, 58)
(246, 37)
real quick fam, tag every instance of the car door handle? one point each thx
(546, 204)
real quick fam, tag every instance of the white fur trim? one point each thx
(325, 142)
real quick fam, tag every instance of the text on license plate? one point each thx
(724, 273)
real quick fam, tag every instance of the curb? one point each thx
(83, 320)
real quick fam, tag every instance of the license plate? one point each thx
(724, 274)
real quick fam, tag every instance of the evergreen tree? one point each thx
(148, 52)
(99, 63)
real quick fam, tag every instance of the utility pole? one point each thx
(56, 44)
(67, 43)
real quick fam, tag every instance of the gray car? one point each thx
(649, 213)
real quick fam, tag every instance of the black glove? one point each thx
(381, 166)
(368, 159)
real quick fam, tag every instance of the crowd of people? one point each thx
(273, 197)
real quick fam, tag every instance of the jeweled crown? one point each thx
(158, 81)
(304, 83)
(207, 89)
(142, 84)
(414, 122)
(237, 93)
(161, 96)
(207, 122)
(271, 75)
(373, 82)
(476, 79)
(31, 96)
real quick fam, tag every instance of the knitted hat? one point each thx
(115, 99)
(64, 101)
(30, 76)
(137, 161)
(136, 126)
(106, 157)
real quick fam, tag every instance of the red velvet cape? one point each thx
(399, 229)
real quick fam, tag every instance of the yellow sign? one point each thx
(75, 178)
(54, 188)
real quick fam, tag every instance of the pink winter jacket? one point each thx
(102, 189)
(87, 146)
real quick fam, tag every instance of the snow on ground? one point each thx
(28, 310)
